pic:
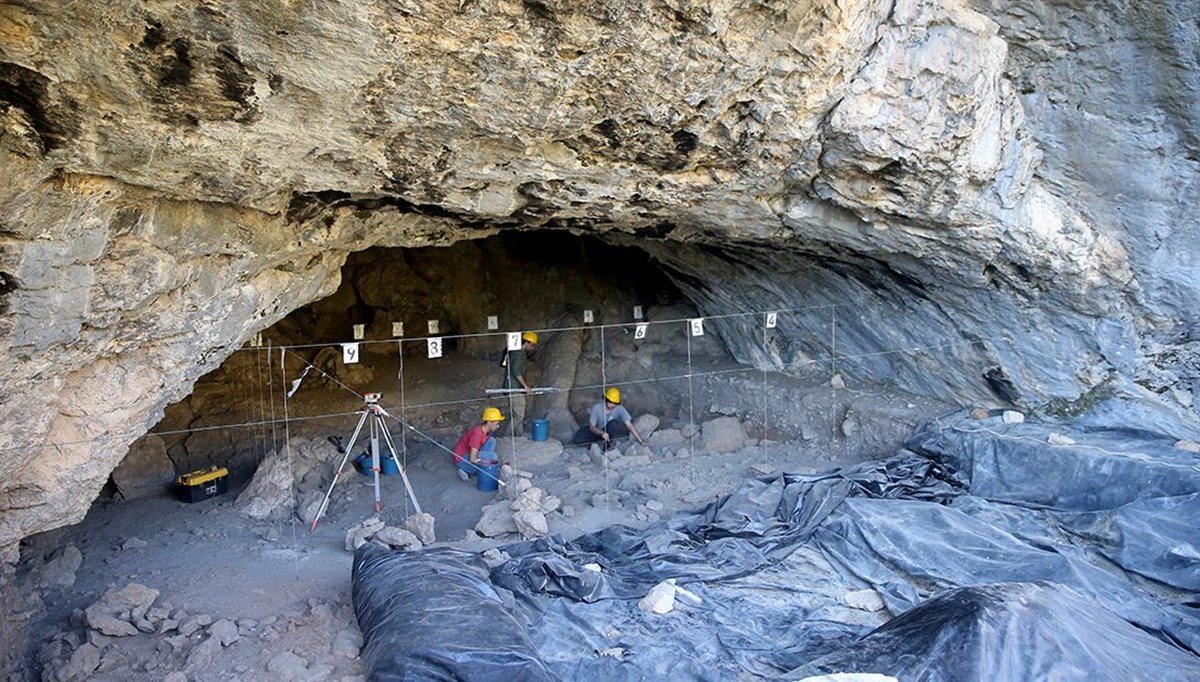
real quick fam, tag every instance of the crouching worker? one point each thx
(607, 422)
(477, 443)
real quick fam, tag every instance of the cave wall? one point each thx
(178, 176)
(1111, 92)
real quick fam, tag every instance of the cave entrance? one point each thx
(607, 315)
(580, 294)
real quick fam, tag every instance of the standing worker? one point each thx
(607, 422)
(476, 442)
(516, 364)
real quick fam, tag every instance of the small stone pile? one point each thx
(300, 471)
(522, 509)
(416, 533)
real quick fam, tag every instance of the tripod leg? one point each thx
(338, 473)
(387, 437)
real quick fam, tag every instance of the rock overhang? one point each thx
(190, 175)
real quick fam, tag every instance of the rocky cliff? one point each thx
(1011, 187)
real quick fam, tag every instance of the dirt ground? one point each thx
(242, 599)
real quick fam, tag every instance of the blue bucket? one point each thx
(488, 477)
(541, 430)
(387, 467)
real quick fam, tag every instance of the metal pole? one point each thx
(375, 455)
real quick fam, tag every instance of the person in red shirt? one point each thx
(477, 443)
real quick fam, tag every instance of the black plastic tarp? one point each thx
(1009, 631)
(1000, 554)
(759, 524)
(434, 615)
(1018, 463)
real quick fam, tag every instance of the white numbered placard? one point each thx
(258, 339)
(397, 329)
(433, 327)
(588, 318)
(350, 353)
(493, 322)
(360, 330)
(772, 318)
(637, 312)
(696, 325)
(435, 347)
(514, 341)
(639, 332)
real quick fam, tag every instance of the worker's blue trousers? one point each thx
(486, 451)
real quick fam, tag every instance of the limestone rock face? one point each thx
(1004, 191)
(145, 471)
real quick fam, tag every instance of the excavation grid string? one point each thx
(274, 421)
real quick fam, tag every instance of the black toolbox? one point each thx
(202, 484)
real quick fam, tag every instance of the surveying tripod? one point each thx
(373, 413)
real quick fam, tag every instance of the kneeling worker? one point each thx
(607, 422)
(477, 443)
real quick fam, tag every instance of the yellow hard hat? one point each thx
(491, 414)
(613, 395)
(531, 337)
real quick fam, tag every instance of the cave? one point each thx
(607, 315)
(922, 265)
(476, 293)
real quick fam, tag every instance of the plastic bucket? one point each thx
(363, 464)
(387, 467)
(487, 478)
(541, 430)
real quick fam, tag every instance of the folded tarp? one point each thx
(433, 615)
(1009, 631)
(909, 551)
(1057, 467)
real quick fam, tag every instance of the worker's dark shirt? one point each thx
(517, 362)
